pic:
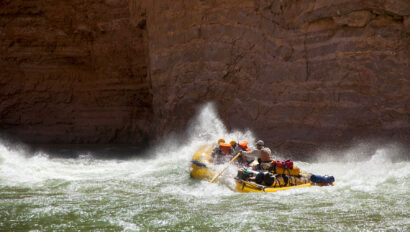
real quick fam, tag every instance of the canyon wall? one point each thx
(300, 74)
(74, 71)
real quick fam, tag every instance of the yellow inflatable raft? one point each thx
(251, 181)
(247, 186)
(201, 163)
(202, 168)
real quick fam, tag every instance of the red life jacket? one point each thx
(284, 164)
(289, 163)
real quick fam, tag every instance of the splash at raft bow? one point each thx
(256, 175)
(207, 156)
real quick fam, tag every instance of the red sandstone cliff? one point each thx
(74, 71)
(300, 74)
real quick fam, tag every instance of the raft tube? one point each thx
(246, 186)
(201, 163)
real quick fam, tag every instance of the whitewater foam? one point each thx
(16, 166)
(156, 193)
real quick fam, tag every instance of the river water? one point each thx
(39, 192)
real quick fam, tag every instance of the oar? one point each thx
(216, 177)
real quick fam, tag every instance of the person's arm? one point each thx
(236, 150)
(253, 153)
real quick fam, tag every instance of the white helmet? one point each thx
(260, 143)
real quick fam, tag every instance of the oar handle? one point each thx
(216, 177)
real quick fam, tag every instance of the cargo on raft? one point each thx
(266, 181)
(281, 175)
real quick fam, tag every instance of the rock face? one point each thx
(300, 74)
(74, 71)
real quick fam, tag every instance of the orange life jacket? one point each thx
(225, 148)
(244, 145)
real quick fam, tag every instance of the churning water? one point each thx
(42, 193)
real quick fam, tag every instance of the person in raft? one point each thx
(239, 147)
(222, 152)
(262, 153)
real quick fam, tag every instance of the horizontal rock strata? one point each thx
(74, 71)
(300, 74)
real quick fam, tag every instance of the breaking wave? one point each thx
(156, 193)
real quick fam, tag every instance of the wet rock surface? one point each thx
(300, 74)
